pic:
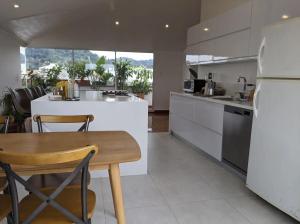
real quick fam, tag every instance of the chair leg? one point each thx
(9, 219)
(89, 221)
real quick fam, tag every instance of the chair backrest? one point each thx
(34, 93)
(29, 93)
(85, 119)
(41, 91)
(21, 100)
(81, 156)
(5, 120)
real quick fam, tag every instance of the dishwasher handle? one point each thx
(238, 111)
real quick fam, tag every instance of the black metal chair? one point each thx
(57, 205)
(41, 91)
(34, 93)
(21, 101)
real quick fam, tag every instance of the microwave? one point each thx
(193, 85)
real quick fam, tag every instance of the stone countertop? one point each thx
(94, 96)
(244, 105)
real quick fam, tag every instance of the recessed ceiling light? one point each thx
(206, 29)
(117, 23)
(16, 6)
(167, 26)
(285, 16)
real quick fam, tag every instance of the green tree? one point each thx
(123, 72)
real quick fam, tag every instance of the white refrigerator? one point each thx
(274, 159)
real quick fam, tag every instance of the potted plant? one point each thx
(123, 72)
(141, 85)
(77, 70)
(52, 75)
(100, 76)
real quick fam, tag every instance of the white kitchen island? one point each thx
(112, 113)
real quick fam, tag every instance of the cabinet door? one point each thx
(221, 25)
(259, 20)
(286, 7)
(232, 46)
(267, 12)
(209, 115)
(182, 106)
(203, 138)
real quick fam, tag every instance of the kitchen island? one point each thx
(111, 113)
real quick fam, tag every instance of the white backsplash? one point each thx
(226, 75)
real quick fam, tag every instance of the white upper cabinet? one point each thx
(235, 45)
(266, 12)
(226, 34)
(221, 25)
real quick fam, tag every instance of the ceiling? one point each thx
(91, 23)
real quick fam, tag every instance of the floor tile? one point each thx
(147, 215)
(259, 212)
(138, 191)
(208, 212)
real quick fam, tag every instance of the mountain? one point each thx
(39, 57)
(145, 63)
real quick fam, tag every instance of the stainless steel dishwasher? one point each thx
(237, 125)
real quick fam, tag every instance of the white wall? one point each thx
(226, 75)
(10, 68)
(168, 70)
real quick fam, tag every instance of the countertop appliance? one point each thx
(274, 158)
(237, 125)
(193, 85)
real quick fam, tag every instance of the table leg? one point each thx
(115, 182)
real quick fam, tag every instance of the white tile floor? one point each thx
(184, 187)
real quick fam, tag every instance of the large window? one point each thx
(99, 69)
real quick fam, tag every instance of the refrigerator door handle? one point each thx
(255, 100)
(261, 55)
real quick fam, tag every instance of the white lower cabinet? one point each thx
(203, 128)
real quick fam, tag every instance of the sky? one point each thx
(135, 56)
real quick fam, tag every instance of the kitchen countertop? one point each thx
(244, 105)
(96, 96)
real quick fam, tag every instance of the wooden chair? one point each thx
(5, 120)
(85, 119)
(5, 205)
(60, 205)
(53, 180)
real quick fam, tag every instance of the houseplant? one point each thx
(101, 77)
(123, 72)
(141, 86)
(52, 75)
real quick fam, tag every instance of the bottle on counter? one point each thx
(76, 90)
(70, 90)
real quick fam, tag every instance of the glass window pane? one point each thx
(139, 76)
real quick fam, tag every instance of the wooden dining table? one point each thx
(115, 147)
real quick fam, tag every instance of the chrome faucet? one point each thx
(245, 82)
